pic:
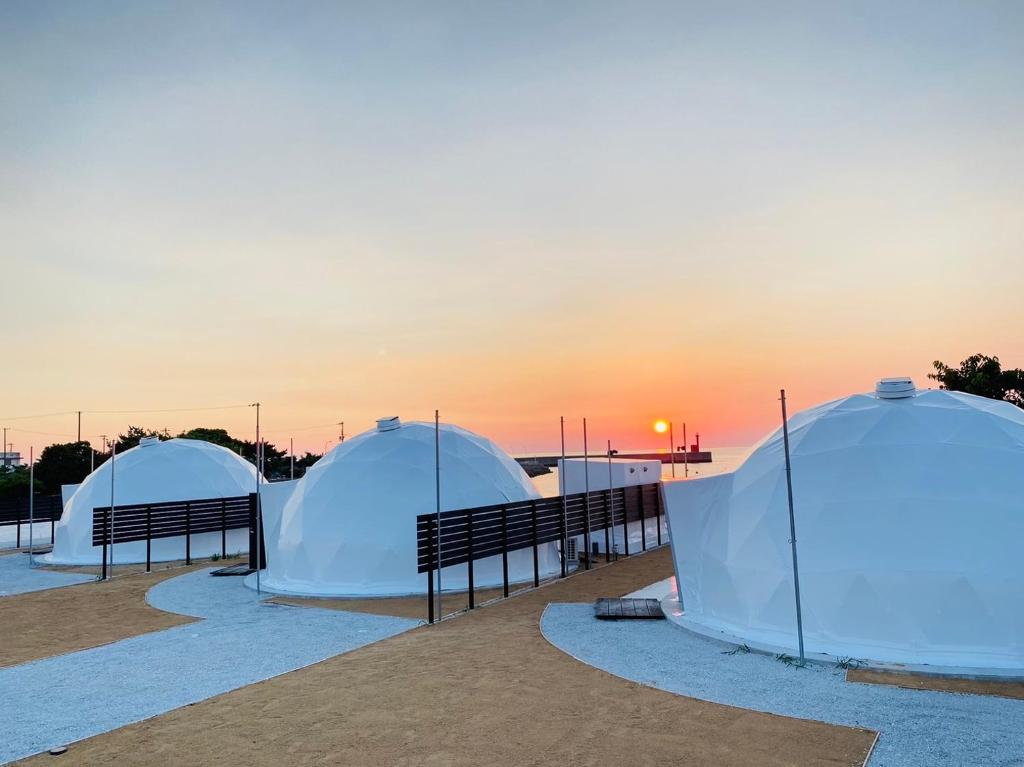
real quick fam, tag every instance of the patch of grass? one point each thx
(741, 649)
(789, 660)
(215, 557)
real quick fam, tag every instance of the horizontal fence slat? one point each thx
(169, 519)
(519, 525)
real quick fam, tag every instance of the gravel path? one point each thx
(16, 577)
(69, 697)
(917, 728)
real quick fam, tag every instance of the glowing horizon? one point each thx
(510, 215)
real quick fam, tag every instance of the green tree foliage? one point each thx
(217, 437)
(276, 464)
(63, 464)
(134, 434)
(14, 482)
(982, 375)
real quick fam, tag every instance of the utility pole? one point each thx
(561, 488)
(79, 426)
(31, 506)
(291, 453)
(672, 449)
(686, 453)
(341, 437)
(3, 447)
(437, 497)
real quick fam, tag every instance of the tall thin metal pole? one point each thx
(672, 449)
(3, 447)
(259, 509)
(437, 494)
(586, 493)
(291, 453)
(113, 455)
(792, 527)
(31, 504)
(686, 453)
(79, 426)
(561, 487)
(610, 528)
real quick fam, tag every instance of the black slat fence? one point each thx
(469, 535)
(170, 519)
(45, 508)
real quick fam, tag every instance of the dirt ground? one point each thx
(1004, 689)
(40, 624)
(484, 688)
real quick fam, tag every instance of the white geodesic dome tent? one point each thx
(153, 472)
(349, 528)
(909, 512)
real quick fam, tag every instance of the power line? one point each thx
(164, 410)
(47, 433)
(306, 428)
(42, 415)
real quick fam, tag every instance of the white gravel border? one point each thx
(66, 698)
(917, 728)
(16, 577)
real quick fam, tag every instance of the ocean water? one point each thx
(723, 459)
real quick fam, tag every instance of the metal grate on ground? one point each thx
(612, 609)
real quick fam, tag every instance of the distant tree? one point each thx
(62, 464)
(982, 375)
(275, 462)
(14, 483)
(134, 434)
(303, 463)
(216, 436)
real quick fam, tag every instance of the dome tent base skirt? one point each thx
(453, 582)
(202, 546)
(961, 667)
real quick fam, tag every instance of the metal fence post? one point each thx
(504, 548)
(149, 538)
(536, 563)
(469, 562)
(625, 523)
(223, 529)
(430, 570)
(643, 520)
(253, 549)
(52, 523)
(17, 535)
(564, 537)
(657, 517)
(188, 533)
(106, 537)
(607, 525)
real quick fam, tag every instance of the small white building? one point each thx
(909, 510)
(154, 472)
(348, 528)
(9, 460)
(598, 473)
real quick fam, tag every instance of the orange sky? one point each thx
(598, 212)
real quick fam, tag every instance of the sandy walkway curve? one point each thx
(917, 728)
(482, 688)
(239, 642)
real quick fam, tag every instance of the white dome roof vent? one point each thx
(390, 423)
(148, 441)
(895, 388)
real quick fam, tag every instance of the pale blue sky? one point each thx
(426, 191)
